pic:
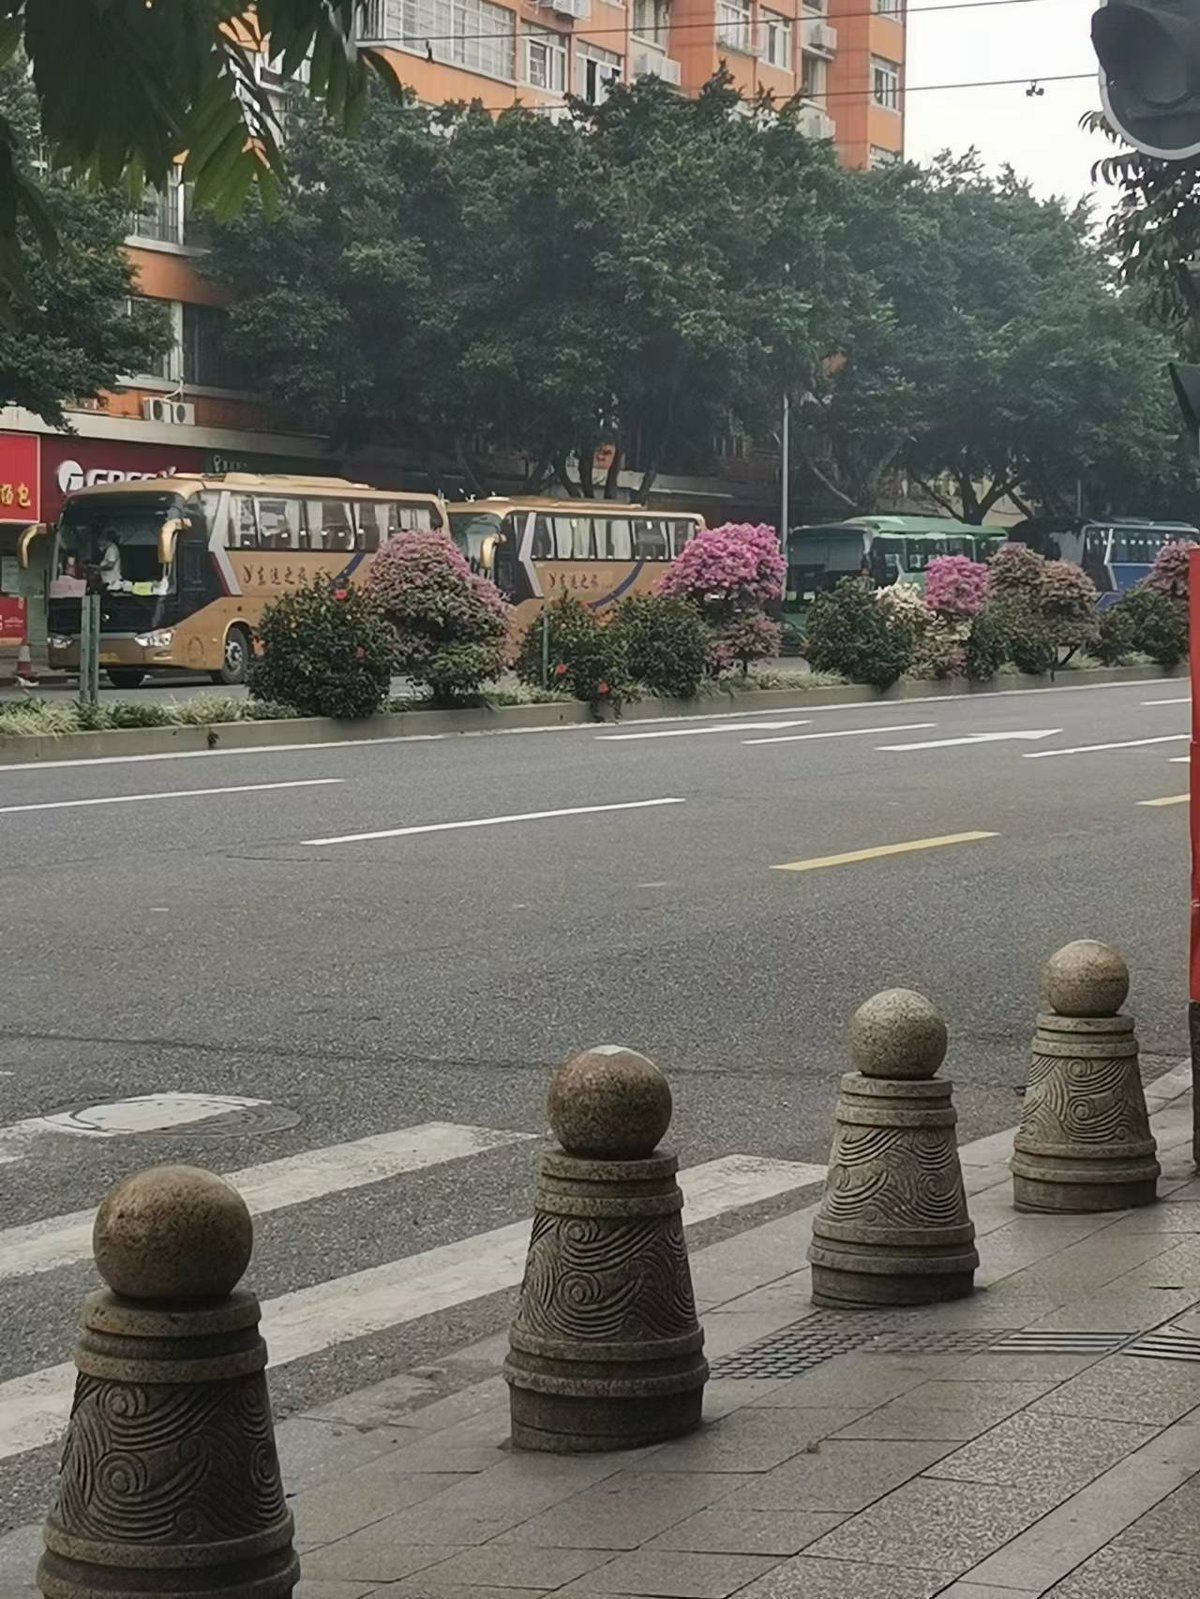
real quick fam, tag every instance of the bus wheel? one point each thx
(126, 676)
(237, 658)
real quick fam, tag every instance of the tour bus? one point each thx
(184, 565)
(1118, 555)
(597, 550)
(889, 549)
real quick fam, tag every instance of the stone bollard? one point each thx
(605, 1350)
(169, 1482)
(1084, 1142)
(893, 1227)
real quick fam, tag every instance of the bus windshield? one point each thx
(474, 532)
(112, 544)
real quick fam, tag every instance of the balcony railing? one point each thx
(161, 217)
(654, 64)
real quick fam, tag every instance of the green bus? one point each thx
(888, 549)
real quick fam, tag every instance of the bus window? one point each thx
(329, 525)
(543, 539)
(573, 536)
(650, 540)
(919, 552)
(371, 524)
(409, 519)
(614, 541)
(243, 530)
(280, 524)
(682, 532)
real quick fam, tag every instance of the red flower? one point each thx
(359, 652)
(601, 687)
(340, 594)
(560, 670)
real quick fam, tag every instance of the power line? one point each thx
(413, 41)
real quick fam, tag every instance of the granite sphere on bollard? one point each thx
(893, 1228)
(1084, 1143)
(605, 1349)
(169, 1482)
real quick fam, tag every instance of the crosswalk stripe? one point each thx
(65, 1240)
(34, 1408)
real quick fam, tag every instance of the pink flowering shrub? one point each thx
(1016, 571)
(728, 568)
(955, 586)
(751, 636)
(451, 625)
(1169, 574)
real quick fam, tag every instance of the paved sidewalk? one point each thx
(1028, 1441)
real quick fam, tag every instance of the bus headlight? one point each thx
(155, 641)
(57, 642)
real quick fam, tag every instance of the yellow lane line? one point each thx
(1171, 799)
(851, 856)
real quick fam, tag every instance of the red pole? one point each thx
(1194, 828)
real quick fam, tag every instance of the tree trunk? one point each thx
(612, 481)
(647, 483)
(467, 467)
(587, 482)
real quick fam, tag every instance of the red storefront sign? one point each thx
(12, 619)
(69, 464)
(20, 483)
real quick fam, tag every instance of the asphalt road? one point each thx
(242, 941)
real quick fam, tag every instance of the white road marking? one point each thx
(58, 1241)
(1179, 760)
(693, 732)
(572, 727)
(1185, 699)
(1094, 749)
(34, 1408)
(492, 821)
(174, 794)
(146, 1113)
(974, 738)
(1171, 799)
(842, 732)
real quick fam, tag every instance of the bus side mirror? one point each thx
(167, 535)
(487, 553)
(33, 531)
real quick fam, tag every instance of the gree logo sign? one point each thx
(72, 476)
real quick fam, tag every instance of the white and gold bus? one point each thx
(598, 550)
(184, 565)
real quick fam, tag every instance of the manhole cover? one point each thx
(190, 1115)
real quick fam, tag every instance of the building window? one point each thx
(465, 33)
(816, 8)
(734, 27)
(596, 71)
(885, 83)
(545, 59)
(162, 213)
(650, 20)
(814, 78)
(887, 8)
(208, 361)
(881, 157)
(777, 40)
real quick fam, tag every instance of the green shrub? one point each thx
(586, 656)
(1115, 641)
(751, 636)
(1159, 624)
(135, 713)
(666, 642)
(325, 651)
(451, 624)
(986, 645)
(852, 633)
(35, 718)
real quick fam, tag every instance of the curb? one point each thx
(394, 727)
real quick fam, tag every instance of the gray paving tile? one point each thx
(1123, 1572)
(748, 1532)
(624, 1511)
(723, 1395)
(498, 1566)
(382, 1404)
(312, 1452)
(428, 1587)
(1175, 1217)
(977, 1590)
(333, 1590)
(371, 1556)
(1050, 1369)
(1172, 1525)
(1125, 1388)
(336, 1509)
(838, 1476)
(1033, 1449)
(20, 1551)
(660, 1574)
(747, 1440)
(950, 1526)
(804, 1578)
(951, 1410)
(858, 1382)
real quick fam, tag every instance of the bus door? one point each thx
(1097, 561)
(512, 566)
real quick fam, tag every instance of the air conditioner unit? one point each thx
(177, 412)
(653, 64)
(814, 123)
(581, 10)
(819, 38)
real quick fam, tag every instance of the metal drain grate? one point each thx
(1035, 1341)
(826, 1334)
(1166, 1344)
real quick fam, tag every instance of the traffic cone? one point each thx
(25, 662)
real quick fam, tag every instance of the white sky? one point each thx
(1039, 136)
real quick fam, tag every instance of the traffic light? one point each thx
(1149, 53)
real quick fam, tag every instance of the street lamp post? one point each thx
(784, 476)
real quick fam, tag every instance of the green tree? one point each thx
(80, 329)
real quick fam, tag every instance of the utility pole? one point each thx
(784, 476)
